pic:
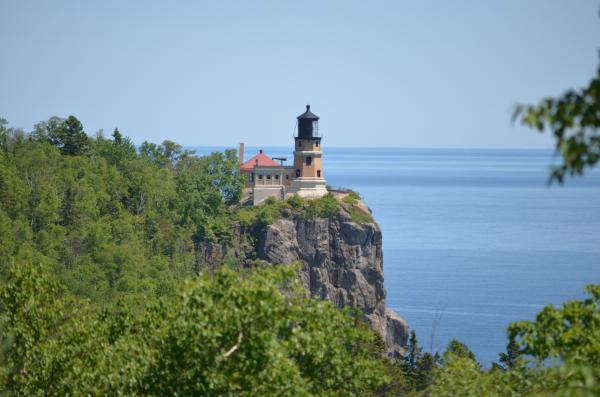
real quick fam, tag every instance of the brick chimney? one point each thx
(241, 153)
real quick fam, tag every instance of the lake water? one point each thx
(472, 239)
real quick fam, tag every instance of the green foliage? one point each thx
(360, 216)
(111, 223)
(351, 198)
(165, 155)
(253, 334)
(247, 216)
(570, 333)
(512, 359)
(106, 309)
(458, 349)
(3, 133)
(118, 151)
(47, 131)
(574, 120)
(325, 207)
(70, 138)
(464, 377)
(358, 213)
(418, 367)
(562, 343)
(295, 201)
(271, 209)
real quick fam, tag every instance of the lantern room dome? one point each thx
(308, 125)
(308, 115)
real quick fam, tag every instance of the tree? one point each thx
(74, 141)
(48, 131)
(414, 351)
(67, 135)
(117, 136)
(458, 349)
(511, 359)
(165, 155)
(249, 334)
(120, 149)
(225, 174)
(419, 367)
(570, 333)
(574, 120)
(3, 133)
(563, 347)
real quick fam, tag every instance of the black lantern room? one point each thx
(308, 124)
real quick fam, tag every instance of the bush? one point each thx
(325, 207)
(352, 198)
(295, 201)
(359, 216)
(246, 216)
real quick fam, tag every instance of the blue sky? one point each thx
(379, 73)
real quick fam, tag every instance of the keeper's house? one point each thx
(265, 177)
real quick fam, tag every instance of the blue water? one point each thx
(473, 239)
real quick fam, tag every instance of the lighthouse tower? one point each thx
(308, 180)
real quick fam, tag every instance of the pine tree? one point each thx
(72, 140)
(512, 357)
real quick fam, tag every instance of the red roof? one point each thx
(261, 160)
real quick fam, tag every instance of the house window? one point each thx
(259, 176)
(318, 173)
(287, 176)
(297, 173)
(308, 160)
(276, 176)
(268, 176)
(252, 177)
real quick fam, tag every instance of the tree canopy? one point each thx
(227, 334)
(574, 121)
(111, 222)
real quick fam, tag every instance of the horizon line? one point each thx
(372, 147)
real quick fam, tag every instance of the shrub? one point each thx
(295, 201)
(359, 216)
(352, 198)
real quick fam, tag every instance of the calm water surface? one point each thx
(473, 239)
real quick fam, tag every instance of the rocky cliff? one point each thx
(342, 261)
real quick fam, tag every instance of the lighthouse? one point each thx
(309, 180)
(264, 177)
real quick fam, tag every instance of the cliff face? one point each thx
(342, 261)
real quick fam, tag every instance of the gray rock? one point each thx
(342, 261)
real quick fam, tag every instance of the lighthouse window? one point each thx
(318, 173)
(317, 144)
(299, 143)
(297, 173)
(308, 160)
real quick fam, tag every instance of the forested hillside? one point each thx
(103, 290)
(107, 220)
